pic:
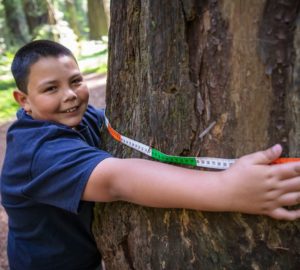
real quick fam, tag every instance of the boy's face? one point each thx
(56, 91)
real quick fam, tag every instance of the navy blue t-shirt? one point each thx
(45, 170)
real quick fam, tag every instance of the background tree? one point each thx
(174, 68)
(97, 19)
(72, 16)
(106, 4)
(81, 7)
(16, 30)
(2, 28)
(36, 13)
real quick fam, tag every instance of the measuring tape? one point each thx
(204, 162)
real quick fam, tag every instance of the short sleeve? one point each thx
(60, 170)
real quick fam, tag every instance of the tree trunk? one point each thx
(16, 26)
(36, 14)
(97, 19)
(106, 5)
(174, 68)
(40, 16)
(72, 17)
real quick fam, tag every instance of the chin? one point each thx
(72, 122)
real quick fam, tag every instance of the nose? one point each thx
(69, 95)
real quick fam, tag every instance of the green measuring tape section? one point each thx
(173, 159)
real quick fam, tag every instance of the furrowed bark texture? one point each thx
(175, 67)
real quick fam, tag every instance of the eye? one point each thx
(50, 88)
(77, 81)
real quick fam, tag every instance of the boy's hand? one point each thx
(256, 187)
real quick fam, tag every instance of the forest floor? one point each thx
(96, 84)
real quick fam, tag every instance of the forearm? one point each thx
(251, 185)
(155, 184)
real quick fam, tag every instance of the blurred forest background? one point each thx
(80, 25)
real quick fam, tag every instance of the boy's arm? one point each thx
(249, 186)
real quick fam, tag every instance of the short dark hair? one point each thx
(29, 54)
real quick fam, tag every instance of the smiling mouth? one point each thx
(73, 109)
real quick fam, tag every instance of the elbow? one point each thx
(102, 185)
(113, 173)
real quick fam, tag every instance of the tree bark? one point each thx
(174, 68)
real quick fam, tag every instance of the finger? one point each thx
(287, 170)
(284, 214)
(289, 199)
(266, 156)
(290, 185)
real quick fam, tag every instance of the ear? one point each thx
(22, 99)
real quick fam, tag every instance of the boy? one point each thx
(54, 170)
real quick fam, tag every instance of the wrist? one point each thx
(228, 198)
(217, 192)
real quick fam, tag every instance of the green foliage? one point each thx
(8, 106)
(96, 54)
(5, 62)
(93, 58)
(81, 7)
(46, 31)
(101, 69)
(75, 13)
(7, 84)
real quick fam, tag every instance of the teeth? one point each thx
(71, 110)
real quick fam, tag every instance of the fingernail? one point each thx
(277, 148)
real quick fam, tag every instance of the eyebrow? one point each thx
(79, 74)
(43, 84)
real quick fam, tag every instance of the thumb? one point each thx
(266, 156)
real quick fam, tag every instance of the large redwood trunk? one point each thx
(175, 67)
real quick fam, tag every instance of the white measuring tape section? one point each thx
(204, 162)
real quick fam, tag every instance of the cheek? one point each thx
(83, 93)
(46, 104)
